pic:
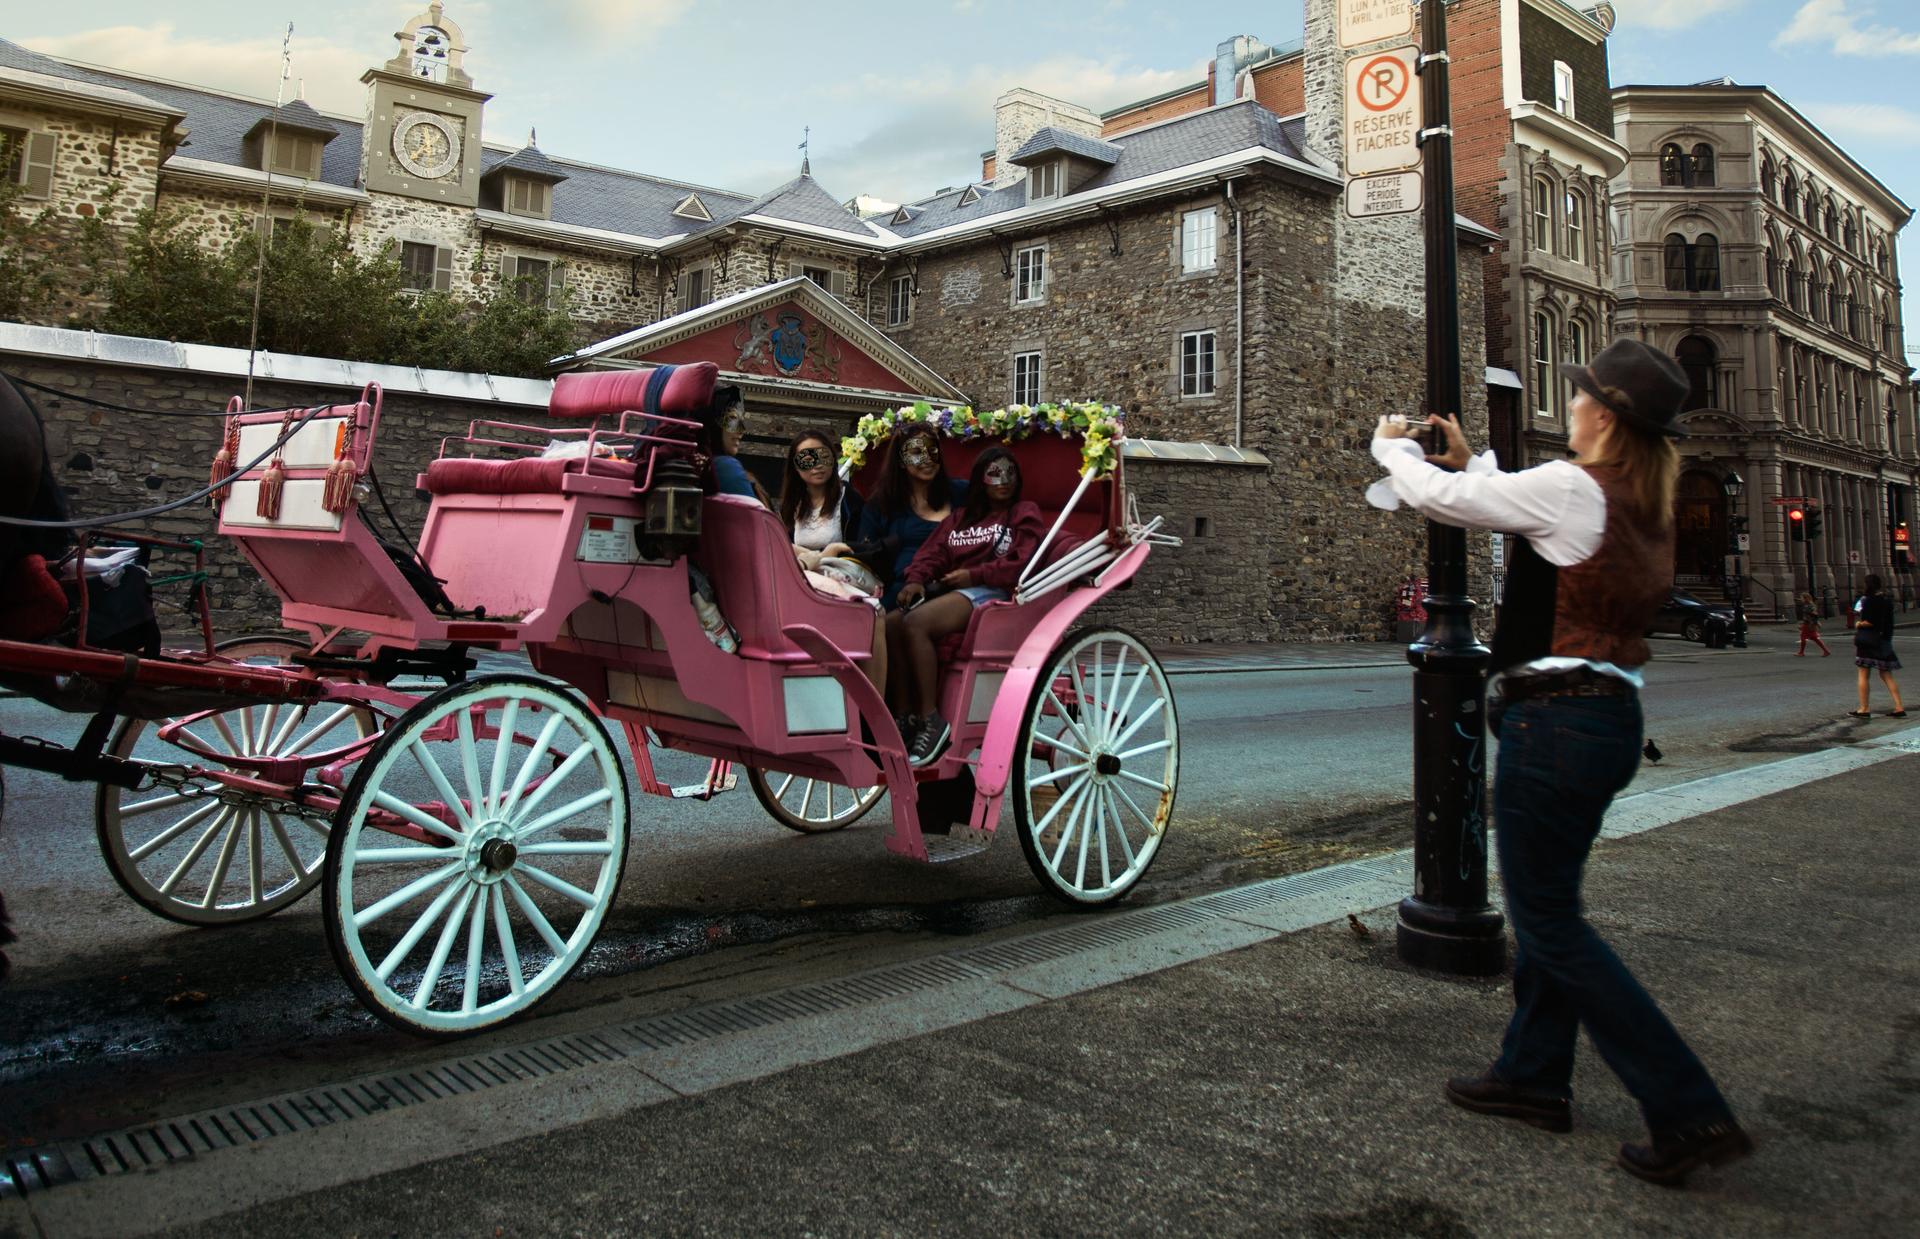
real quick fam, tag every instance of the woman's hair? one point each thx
(1874, 584)
(977, 500)
(726, 398)
(894, 491)
(1647, 461)
(793, 487)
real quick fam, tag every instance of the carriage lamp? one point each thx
(672, 522)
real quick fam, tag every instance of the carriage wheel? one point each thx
(195, 860)
(811, 806)
(467, 875)
(1095, 767)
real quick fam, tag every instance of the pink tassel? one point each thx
(223, 461)
(341, 479)
(272, 482)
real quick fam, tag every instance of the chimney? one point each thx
(1021, 113)
(1229, 59)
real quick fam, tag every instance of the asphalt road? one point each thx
(114, 1013)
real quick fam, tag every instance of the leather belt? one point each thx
(1582, 682)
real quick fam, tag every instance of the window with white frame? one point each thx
(1026, 378)
(1542, 215)
(1543, 385)
(1576, 350)
(1199, 239)
(1043, 182)
(1030, 275)
(819, 275)
(1563, 88)
(692, 289)
(1196, 363)
(425, 267)
(899, 300)
(1576, 208)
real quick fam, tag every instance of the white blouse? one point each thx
(817, 533)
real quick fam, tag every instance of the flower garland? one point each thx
(1100, 426)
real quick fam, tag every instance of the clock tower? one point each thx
(422, 137)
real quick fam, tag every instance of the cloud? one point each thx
(330, 70)
(631, 19)
(1668, 14)
(1830, 22)
(1874, 122)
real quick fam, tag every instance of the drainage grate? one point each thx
(180, 1139)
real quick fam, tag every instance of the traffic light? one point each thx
(1797, 524)
(1813, 523)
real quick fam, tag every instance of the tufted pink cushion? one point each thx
(530, 475)
(677, 391)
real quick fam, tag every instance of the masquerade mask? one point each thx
(917, 453)
(1002, 473)
(736, 423)
(811, 458)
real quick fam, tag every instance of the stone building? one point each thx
(1186, 257)
(1760, 254)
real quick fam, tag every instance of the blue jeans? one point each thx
(1562, 761)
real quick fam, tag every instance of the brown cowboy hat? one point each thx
(1647, 385)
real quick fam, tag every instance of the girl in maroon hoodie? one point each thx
(974, 556)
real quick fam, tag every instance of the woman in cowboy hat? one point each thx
(1595, 561)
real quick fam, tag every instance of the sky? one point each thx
(899, 98)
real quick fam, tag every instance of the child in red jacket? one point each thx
(974, 556)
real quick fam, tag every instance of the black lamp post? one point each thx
(1733, 486)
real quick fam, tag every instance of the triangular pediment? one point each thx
(970, 196)
(692, 208)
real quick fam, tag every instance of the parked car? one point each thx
(1691, 618)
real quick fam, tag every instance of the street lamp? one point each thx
(1733, 486)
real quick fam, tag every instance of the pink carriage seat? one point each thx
(527, 475)
(677, 391)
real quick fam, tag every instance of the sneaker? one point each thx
(1669, 1157)
(1488, 1094)
(908, 725)
(928, 739)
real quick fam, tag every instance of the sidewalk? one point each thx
(1286, 1087)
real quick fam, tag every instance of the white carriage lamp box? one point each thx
(608, 540)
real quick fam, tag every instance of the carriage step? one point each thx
(700, 791)
(963, 841)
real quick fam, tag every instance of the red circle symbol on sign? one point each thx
(1388, 79)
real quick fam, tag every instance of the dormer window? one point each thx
(294, 154)
(692, 208)
(901, 216)
(1043, 181)
(969, 196)
(526, 196)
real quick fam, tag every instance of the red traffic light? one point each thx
(1796, 514)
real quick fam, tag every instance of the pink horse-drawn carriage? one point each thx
(470, 837)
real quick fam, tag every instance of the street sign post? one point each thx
(1382, 111)
(1373, 21)
(1391, 193)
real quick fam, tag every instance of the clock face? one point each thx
(425, 145)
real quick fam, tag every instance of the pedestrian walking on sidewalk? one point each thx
(1810, 627)
(1873, 645)
(1593, 565)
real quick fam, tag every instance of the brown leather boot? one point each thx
(1488, 1094)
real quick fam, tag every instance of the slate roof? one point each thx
(1158, 148)
(1053, 141)
(800, 201)
(530, 161)
(299, 115)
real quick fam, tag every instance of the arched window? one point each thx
(1816, 291)
(1850, 234)
(1857, 311)
(1795, 293)
(1706, 263)
(1836, 297)
(1773, 267)
(1543, 385)
(1889, 330)
(1693, 267)
(1575, 352)
(1880, 258)
(1813, 204)
(1543, 214)
(1832, 220)
(1673, 165)
(1702, 165)
(1576, 207)
(1768, 178)
(1696, 356)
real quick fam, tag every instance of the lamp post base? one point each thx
(1466, 944)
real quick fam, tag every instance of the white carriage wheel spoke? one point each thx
(1146, 821)
(1059, 804)
(503, 930)
(1073, 824)
(781, 791)
(145, 807)
(406, 894)
(438, 777)
(476, 938)
(254, 876)
(1109, 721)
(246, 730)
(585, 847)
(1119, 825)
(425, 821)
(527, 767)
(806, 802)
(174, 831)
(1155, 747)
(1146, 715)
(295, 717)
(194, 853)
(387, 856)
(502, 746)
(322, 728)
(1059, 741)
(558, 886)
(1106, 869)
(1066, 720)
(1086, 833)
(224, 861)
(270, 714)
(426, 921)
(1061, 773)
(537, 918)
(1139, 682)
(470, 761)
(1144, 781)
(1094, 731)
(559, 776)
(443, 947)
(226, 733)
(300, 868)
(561, 814)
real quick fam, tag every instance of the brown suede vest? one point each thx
(1601, 607)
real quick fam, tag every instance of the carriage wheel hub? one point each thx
(498, 855)
(1107, 764)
